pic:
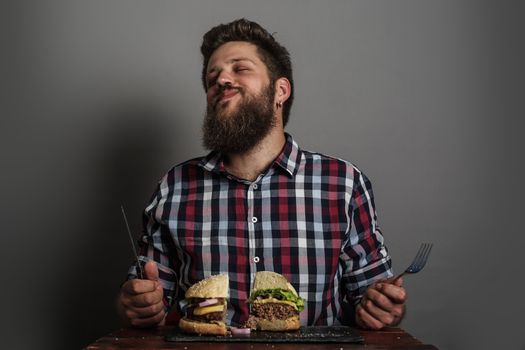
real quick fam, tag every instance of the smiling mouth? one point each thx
(225, 96)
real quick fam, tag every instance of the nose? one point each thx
(224, 79)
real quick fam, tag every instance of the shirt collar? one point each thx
(289, 159)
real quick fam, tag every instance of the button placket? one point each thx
(251, 229)
(253, 196)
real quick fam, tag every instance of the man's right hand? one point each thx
(140, 302)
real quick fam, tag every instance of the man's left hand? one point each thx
(383, 304)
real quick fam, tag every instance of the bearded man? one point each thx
(258, 202)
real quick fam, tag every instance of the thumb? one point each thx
(151, 270)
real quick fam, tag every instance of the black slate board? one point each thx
(334, 334)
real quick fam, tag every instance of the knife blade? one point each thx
(132, 242)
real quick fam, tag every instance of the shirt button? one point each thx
(255, 186)
(256, 259)
(254, 219)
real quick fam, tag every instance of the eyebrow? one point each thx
(233, 60)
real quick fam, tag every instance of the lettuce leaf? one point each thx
(279, 294)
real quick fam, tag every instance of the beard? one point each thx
(243, 128)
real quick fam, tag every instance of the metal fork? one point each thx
(419, 261)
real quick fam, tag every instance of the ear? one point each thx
(283, 89)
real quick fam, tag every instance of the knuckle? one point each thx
(129, 314)
(399, 311)
(396, 311)
(126, 287)
(135, 322)
(123, 299)
(128, 302)
(149, 299)
(159, 316)
(371, 324)
(146, 299)
(377, 326)
(160, 307)
(150, 310)
(381, 299)
(360, 310)
(389, 319)
(154, 309)
(134, 286)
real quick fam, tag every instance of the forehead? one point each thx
(233, 51)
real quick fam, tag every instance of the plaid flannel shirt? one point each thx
(309, 217)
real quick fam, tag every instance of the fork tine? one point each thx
(419, 261)
(416, 259)
(422, 256)
(420, 253)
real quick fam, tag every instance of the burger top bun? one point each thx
(271, 280)
(212, 287)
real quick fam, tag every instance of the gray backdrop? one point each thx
(100, 98)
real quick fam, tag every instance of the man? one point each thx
(259, 202)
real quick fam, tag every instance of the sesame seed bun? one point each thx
(271, 280)
(212, 287)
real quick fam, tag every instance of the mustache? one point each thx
(224, 88)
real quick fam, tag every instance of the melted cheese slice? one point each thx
(276, 301)
(199, 311)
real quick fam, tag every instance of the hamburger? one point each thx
(206, 308)
(274, 304)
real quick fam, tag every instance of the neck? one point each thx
(249, 165)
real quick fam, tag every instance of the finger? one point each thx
(367, 320)
(379, 299)
(378, 313)
(138, 286)
(395, 293)
(148, 321)
(398, 312)
(152, 271)
(146, 299)
(133, 312)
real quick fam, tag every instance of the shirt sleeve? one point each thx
(156, 244)
(364, 255)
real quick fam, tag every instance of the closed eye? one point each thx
(211, 82)
(241, 69)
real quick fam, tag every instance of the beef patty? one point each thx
(272, 311)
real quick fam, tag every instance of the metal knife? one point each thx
(132, 242)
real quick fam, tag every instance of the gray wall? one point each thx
(100, 98)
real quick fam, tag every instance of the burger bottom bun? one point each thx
(290, 324)
(195, 327)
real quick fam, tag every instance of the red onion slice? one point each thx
(240, 331)
(208, 302)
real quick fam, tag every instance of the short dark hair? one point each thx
(275, 56)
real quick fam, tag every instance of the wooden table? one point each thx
(391, 338)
